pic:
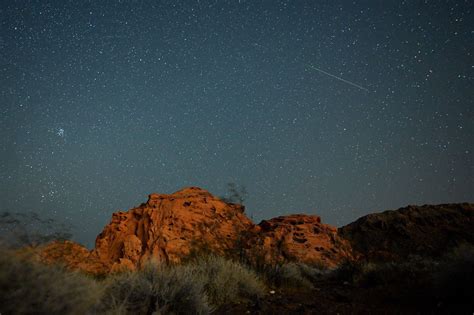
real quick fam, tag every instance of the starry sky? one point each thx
(335, 108)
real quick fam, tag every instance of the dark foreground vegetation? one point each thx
(216, 285)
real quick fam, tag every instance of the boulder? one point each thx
(71, 255)
(170, 228)
(299, 238)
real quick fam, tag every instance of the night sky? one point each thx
(334, 108)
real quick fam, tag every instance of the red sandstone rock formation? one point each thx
(298, 237)
(72, 255)
(169, 228)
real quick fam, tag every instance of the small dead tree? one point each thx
(235, 193)
(30, 229)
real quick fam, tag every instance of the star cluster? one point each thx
(104, 102)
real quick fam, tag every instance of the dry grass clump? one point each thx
(156, 289)
(194, 288)
(293, 275)
(226, 281)
(27, 287)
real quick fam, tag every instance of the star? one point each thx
(60, 132)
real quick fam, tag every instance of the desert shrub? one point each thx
(293, 275)
(313, 272)
(455, 277)
(156, 289)
(376, 274)
(415, 272)
(372, 274)
(227, 281)
(181, 289)
(446, 282)
(346, 271)
(27, 287)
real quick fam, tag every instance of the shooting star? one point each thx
(339, 78)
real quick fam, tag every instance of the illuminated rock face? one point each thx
(71, 255)
(169, 228)
(301, 238)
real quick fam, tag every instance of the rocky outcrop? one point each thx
(170, 228)
(429, 230)
(298, 237)
(72, 255)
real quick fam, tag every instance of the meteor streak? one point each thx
(339, 78)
